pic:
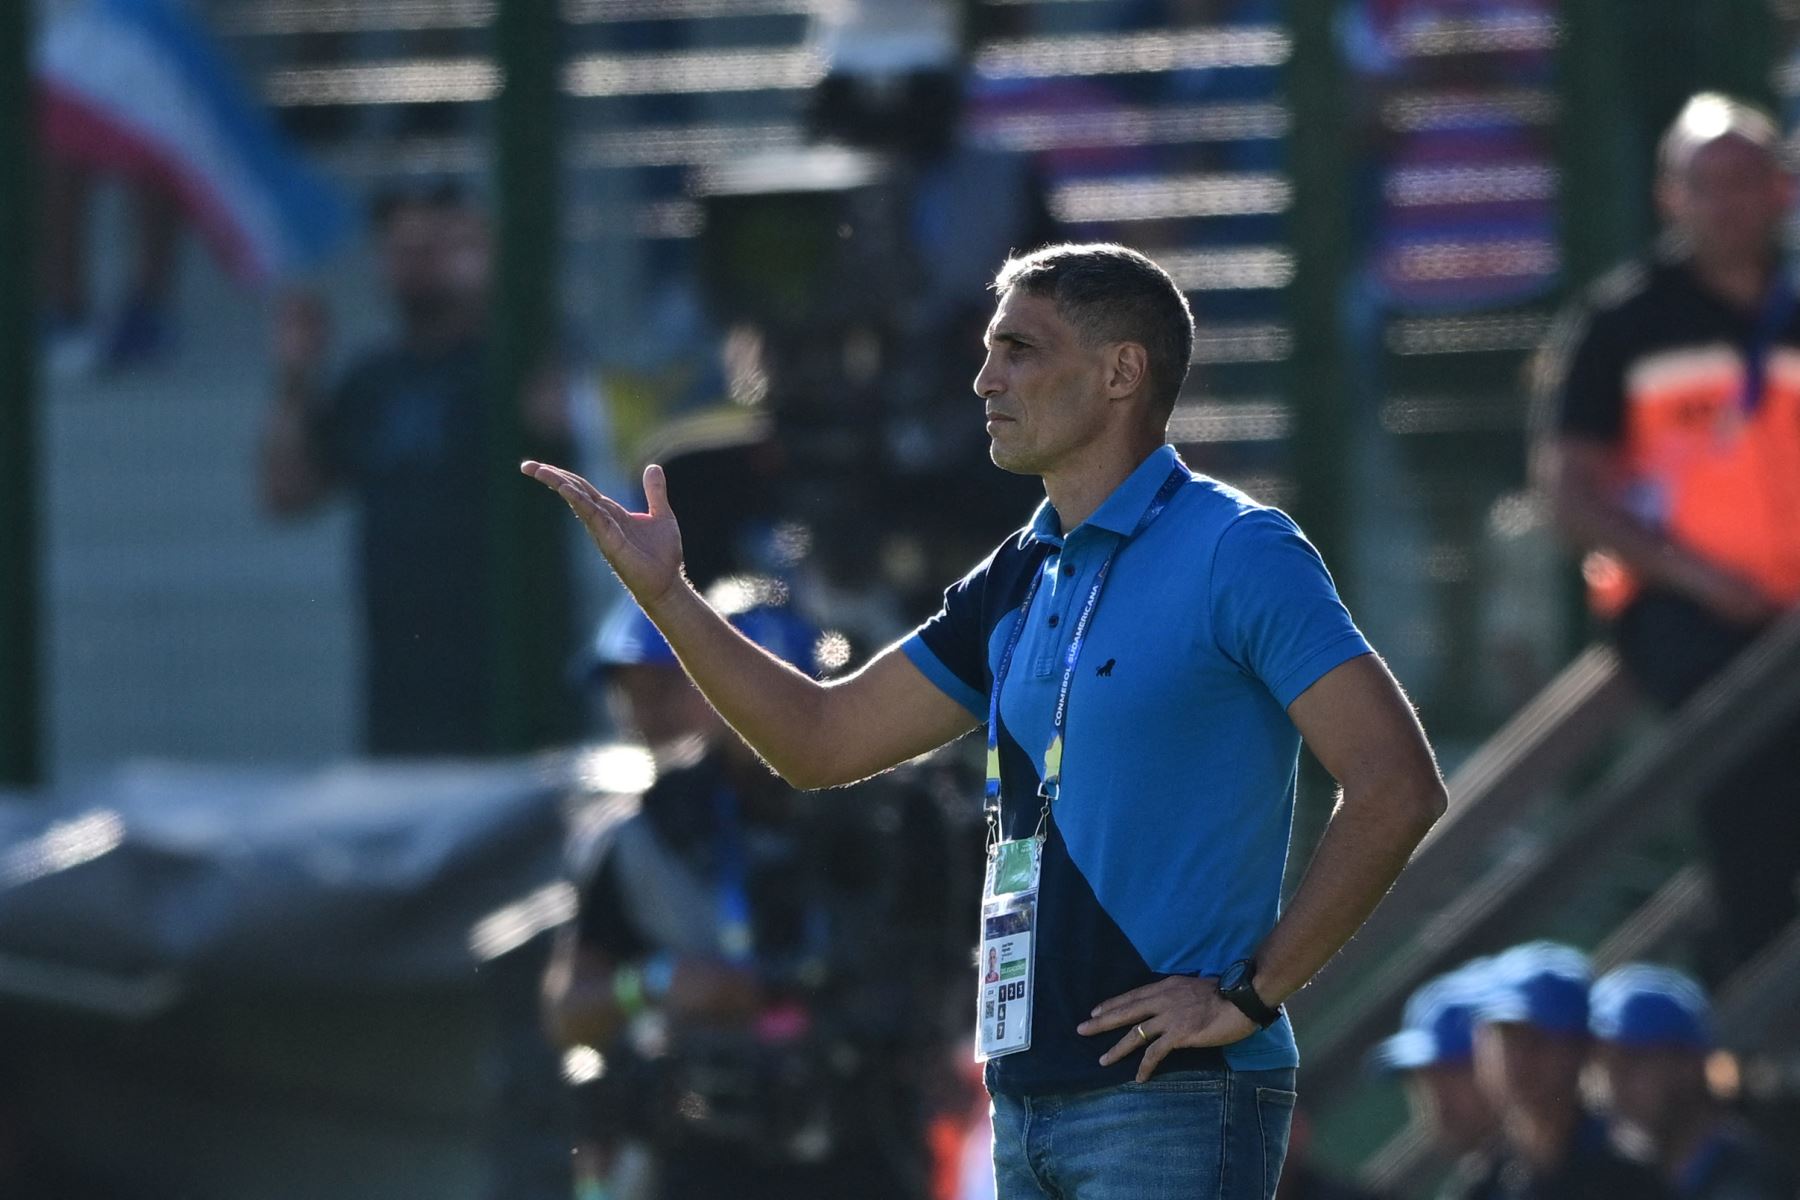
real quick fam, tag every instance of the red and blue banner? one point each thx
(133, 87)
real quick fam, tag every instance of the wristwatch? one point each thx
(1237, 987)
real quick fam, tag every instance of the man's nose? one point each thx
(987, 380)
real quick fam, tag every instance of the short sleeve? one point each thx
(950, 648)
(1275, 611)
(1582, 384)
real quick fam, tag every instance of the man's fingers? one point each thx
(1136, 996)
(1154, 1053)
(1118, 1017)
(575, 491)
(1128, 1045)
(612, 508)
(1128, 1006)
(553, 477)
(656, 490)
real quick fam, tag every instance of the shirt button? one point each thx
(1068, 570)
(1053, 620)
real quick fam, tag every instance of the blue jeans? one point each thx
(1221, 1135)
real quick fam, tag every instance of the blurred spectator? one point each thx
(407, 431)
(135, 90)
(1531, 1043)
(1300, 1180)
(1435, 1053)
(1674, 460)
(762, 970)
(1653, 1030)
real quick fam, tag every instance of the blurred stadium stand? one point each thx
(1176, 139)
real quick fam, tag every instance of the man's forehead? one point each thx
(1023, 312)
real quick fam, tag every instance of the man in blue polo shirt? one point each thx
(1146, 657)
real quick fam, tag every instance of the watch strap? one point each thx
(1242, 995)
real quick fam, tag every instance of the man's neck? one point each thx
(1077, 490)
(1741, 282)
(1542, 1138)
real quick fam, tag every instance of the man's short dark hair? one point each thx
(1111, 293)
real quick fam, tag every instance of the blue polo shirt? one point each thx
(1164, 855)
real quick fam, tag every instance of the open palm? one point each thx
(644, 549)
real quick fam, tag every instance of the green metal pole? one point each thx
(19, 717)
(1604, 146)
(1605, 199)
(1738, 41)
(1320, 391)
(531, 633)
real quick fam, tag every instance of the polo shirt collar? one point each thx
(1121, 511)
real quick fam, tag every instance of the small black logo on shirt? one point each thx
(1105, 668)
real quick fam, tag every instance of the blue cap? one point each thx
(1438, 1023)
(627, 637)
(1643, 1005)
(1541, 984)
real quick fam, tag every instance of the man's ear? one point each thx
(1127, 370)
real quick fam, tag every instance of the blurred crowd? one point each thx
(1531, 1078)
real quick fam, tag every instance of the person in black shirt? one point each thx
(764, 972)
(406, 433)
(1653, 1029)
(1531, 1042)
(1672, 458)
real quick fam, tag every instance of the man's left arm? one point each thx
(1359, 725)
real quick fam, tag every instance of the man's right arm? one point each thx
(1584, 478)
(1579, 464)
(294, 477)
(813, 734)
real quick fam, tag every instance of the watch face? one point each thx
(1235, 976)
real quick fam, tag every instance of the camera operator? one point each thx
(762, 971)
(858, 268)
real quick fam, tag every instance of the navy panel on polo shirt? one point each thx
(1164, 855)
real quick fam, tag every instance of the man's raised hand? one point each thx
(643, 549)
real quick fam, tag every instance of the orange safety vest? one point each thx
(1716, 479)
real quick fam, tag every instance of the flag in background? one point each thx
(134, 87)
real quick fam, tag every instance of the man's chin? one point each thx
(1010, 461)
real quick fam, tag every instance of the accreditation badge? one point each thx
(1009, 899)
